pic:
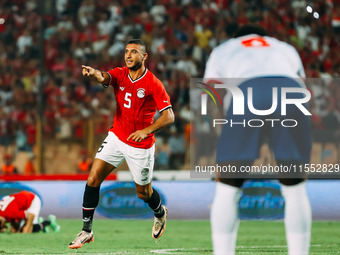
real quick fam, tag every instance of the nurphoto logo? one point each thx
(296, 96)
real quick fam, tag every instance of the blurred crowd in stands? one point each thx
(179, 35)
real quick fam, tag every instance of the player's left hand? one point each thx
(138, 136)
(3, 227)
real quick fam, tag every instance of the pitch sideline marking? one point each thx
(271, 246)
(171, 251)
(174, 251)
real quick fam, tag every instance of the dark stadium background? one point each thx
(76, 113)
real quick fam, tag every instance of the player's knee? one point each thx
(93, 181)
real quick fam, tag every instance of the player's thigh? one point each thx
(240, 137)
(141, 163)
(111, 150)
(292, 143)
(238, 142)
(35, 208)
(108, 157)
(291, 137)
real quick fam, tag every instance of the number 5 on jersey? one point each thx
(128, 100)
(102, 146)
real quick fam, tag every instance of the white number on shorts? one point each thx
(102, 146)
(128, 100)
(5, 202)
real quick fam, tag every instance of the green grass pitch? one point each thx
(133, 237)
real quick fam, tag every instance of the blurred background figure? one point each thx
(162, 154)
(261, 63)
(84, 165)
(177, 148)
(21, 210)
(29, 165)
(8, 168)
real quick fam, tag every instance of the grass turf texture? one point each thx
(181, 237)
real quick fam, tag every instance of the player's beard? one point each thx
(136, 66)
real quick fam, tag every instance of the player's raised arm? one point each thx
(96, 75)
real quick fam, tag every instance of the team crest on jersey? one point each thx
(122, 88)
(141, 92)
(145, 171)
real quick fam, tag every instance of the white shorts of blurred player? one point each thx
(140, 161)
(35, 208)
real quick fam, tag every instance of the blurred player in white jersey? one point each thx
(253, 56)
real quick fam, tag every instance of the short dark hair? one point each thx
(231, 28)
(250, 29)
(138, 42)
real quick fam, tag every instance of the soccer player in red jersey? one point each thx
(23, 206)
(138, 94)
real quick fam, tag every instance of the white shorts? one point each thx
(140, 161)
(35, 208)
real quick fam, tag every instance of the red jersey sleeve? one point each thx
(161, 97)
(115, 75)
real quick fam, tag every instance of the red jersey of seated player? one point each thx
(137, 101)
(13, 207)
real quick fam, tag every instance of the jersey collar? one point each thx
(133, 81)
